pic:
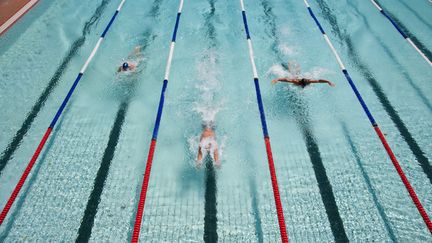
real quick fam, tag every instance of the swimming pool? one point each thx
(316, 133)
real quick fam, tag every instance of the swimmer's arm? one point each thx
(119, 69)
(288, 80)
(321, 81)
(199, 158)
(216, 155)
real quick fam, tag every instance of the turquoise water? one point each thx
(211, 78)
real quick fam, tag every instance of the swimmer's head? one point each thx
(125, 66)
(208, 125)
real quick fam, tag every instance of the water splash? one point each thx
(318, 72)
(314, 73)
(279, 71)
(207, 104)
(286, 49)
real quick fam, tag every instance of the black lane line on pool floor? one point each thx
(406, 76)
(385, 102)
(416, 41)
(254, 192)
(300, 110)
(255, 209)
(210, 207)
(210, 197)
(87, 222)
(368, 182)
(73, 50)
(424, 21)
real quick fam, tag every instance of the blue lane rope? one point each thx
(81, 73)
(403, 34)
(176, 27)
(377, 129)
(54, 121)
(146, 179)
(65, 101)
(261, 108)
(160, 108)
(272, 169)
(345, 72)
(109, 24)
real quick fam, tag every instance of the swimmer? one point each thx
(303, 82)
(208, 145)
(130, 65)
(294, 69)
(126, 66)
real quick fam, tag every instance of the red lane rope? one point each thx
(395, 162)
(55, 119)
(404, 179)
(140, 211)
(23, 178)
(275, 187)
(279, 209)
(144, 187)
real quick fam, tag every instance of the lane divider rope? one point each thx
(45, 137)
(144, 187)
(278, 203)
(405, 36)
(389, 151)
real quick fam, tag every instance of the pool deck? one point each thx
(12, 10)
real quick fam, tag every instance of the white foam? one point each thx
(285, 31)
(278, 70)
(286, 49)
(317, 73)
(209, 84)
(207, 105)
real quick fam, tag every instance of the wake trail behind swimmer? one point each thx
(207, 108)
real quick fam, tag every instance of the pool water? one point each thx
(334, 176)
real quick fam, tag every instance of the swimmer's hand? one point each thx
(274, 81)
(331, 84)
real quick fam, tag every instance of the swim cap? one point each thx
(125, 66)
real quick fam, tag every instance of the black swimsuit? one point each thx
(302, 82)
